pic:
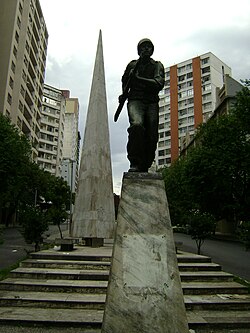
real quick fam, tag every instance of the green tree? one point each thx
(200, 226)
(177, 190)
(34, 223)
(214, 177)
(58, 195)
(15, 152)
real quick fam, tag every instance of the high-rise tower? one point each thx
(23, 47)
(187, 100)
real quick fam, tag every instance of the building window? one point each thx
(161, 152)
(183, 112)
(167, 74)
(207, 87)
(13, 67)
(182, 94)
(29, 34)
(15, 51)
(22, 91)
(11, 82)
(206, 97)
(17, 37)
(189, 67)
(181, 69)
(205, 78)
(20, 9)
(204, 61)
(20, 106)
(205, 70)
(9, 99)
(167, 83)
(27, 47)
(167, 133)
(18, 22)
(26, 61)
(189, 75)
(190, 92)
(182, 86)
(167, 99)
(161, 126)
(181, 78)
(19, 122)
(207, 106)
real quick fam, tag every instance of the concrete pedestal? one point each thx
(144, 291)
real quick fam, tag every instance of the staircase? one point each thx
(60, 289)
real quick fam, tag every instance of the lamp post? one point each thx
(71, 190)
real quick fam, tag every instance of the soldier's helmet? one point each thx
(144, 40)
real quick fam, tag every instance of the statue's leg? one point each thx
(136, 135)
(151, 126)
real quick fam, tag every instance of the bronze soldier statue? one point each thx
(141, 83)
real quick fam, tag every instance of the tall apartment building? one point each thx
(50, 152)
(71, 146)
(187, 100)
(23, 47)
(225, 101)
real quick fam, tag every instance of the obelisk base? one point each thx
(144, 291)
(94, 242)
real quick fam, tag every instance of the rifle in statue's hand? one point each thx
(124, 96)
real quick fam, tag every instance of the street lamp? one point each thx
(71, 196)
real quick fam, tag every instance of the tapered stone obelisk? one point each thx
(93, 217)
(144, 291)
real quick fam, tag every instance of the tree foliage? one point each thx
(15, 152)
(35, 196)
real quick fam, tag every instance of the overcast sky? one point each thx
(180, 30)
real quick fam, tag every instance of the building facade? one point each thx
(225, 100)
(50, 152)
(23, 48)
(71, 145)
(187, 100)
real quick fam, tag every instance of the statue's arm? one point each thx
(157, 82)
(128, 71)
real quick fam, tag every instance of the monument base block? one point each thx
(144, 291)
(94, 242)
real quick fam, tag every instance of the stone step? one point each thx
(78, 264)
(204, 276)
(52, 300)
(212, 320)
(210, 288)
(76, 274)
(104, 254)
(183, 257)
(33, 328)
(207, 266)
(197, 320)
(86, 254)
(64, 274)
(219, 302)
(51, 317)
(68, 286)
